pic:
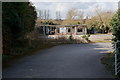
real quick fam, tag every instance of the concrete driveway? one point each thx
(63, 61)
(101, 37)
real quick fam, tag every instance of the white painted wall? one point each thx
(63, 30)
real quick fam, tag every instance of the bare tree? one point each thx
(80, 15)
(104, 17)
(44, 14)
(40, 14)
(48, 14)
(58, 15)
(100, 21)
(99, 12)
(73, 13)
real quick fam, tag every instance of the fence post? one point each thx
(115, 59)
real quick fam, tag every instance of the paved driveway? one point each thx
(101, 37)
(63, 61)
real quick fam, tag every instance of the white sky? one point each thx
(74, 0)
(87, 6)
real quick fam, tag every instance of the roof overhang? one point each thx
(81, 25)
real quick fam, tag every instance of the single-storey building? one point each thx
(63, 29)
(58, 30)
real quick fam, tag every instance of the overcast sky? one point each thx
(87, 6)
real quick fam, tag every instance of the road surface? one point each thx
(63, 61)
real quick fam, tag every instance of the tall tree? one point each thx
(104, 17)
(71, 14)
(18, 18)
(58, 15)
(115, 23)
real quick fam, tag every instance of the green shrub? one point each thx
(70, 37)
(86, 37)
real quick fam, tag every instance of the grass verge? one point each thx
(108, 61)
(24, 51)
(101, 41)
(36, 45)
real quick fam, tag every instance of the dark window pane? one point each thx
(68, 29)
(79, 30)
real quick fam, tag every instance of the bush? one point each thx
(86, 37)
(70, 37)
(115, 23)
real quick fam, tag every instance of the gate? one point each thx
(117, 57)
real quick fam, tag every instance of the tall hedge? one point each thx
(115, 23)
(18, 18)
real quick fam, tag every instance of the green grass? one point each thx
(108, 61)
(102, 41)
(21, 52)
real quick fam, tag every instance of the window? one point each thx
(79, 30)
(58, 30)
(68, 29)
